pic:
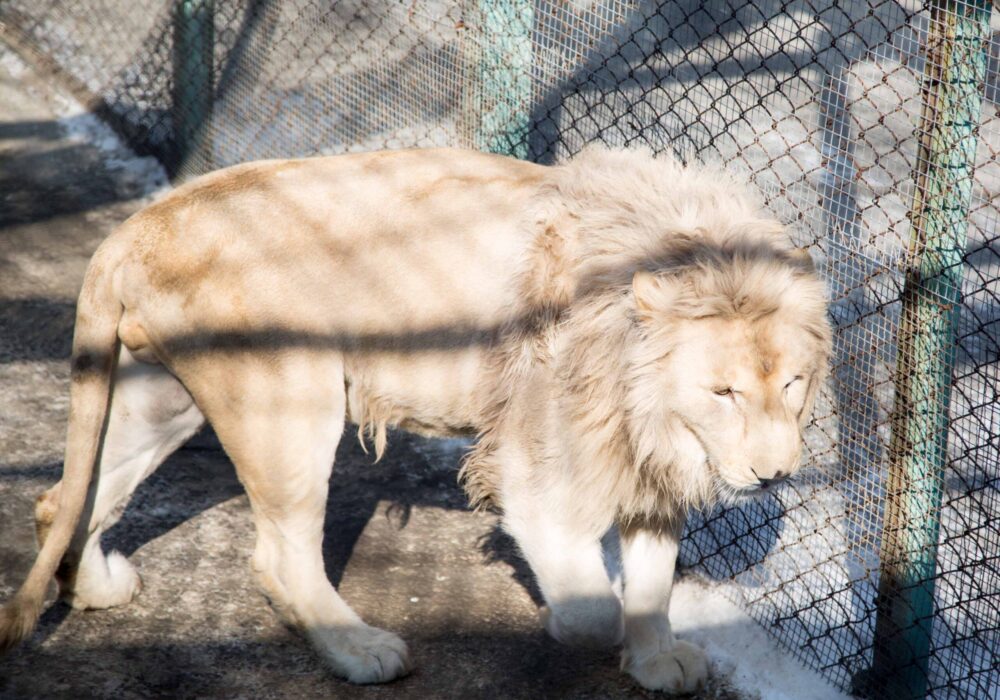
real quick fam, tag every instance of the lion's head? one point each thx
(732, 345)
(686, 335)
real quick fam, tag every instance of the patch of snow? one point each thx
(142, 175)
(740, 649)
(12, 64)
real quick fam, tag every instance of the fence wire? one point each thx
(819, 103)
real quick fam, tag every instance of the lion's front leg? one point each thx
(652, 654)
(581, 607)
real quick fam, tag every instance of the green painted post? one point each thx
(953, 80)
(504, 76)
(193, 76)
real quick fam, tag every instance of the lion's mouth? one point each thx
(736, 494)
(724, 491)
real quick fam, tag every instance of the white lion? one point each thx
(629, 337)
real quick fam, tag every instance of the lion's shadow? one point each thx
(415, 472)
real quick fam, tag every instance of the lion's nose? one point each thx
(767, 483)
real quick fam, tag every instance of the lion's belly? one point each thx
(435, 392)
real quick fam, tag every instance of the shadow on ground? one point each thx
(406, 552)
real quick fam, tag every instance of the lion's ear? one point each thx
(801, 257)
(654, 294)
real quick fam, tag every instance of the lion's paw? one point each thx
(103, 582)
(588, 623)
(681, 669)
(363, 654)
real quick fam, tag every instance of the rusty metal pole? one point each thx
(952, 92)
(193, 83)
(504, 89)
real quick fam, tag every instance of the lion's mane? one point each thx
(603, 216)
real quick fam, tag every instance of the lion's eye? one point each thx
(796, 378)
(724, 391)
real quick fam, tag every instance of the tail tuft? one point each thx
(17, 621)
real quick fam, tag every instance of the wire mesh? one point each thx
(819, 103)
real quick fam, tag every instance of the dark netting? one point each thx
(828, 107)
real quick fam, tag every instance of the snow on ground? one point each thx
(11, 64)
(143, 176)
(740, 648)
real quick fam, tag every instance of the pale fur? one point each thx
(621, 212)
(578, 318)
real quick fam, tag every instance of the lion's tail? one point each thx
(95, 347)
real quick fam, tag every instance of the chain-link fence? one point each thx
(871, 127)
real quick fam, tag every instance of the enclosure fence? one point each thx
(872, 128)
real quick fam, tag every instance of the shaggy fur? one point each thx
(605, 216)
(629, 337)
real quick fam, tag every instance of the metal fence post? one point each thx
(952, 85)
(504, 76)
(193, 76)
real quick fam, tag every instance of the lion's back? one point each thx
(413, 239)
(405, 262)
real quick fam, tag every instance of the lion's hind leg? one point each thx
(151, 415)
(280, 423)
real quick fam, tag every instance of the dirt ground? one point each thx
(400, 542)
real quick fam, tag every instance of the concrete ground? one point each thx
(400, 542)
